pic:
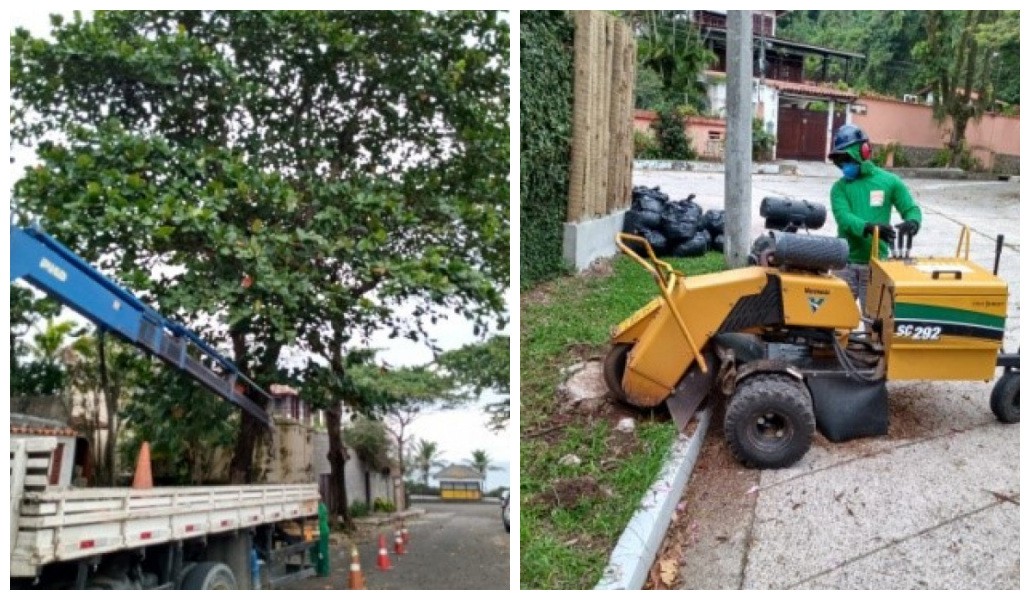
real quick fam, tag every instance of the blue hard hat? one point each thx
(845, 137)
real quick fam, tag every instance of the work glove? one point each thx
(909, 227)
(887, 233)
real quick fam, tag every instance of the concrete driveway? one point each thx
(934, 504)
(453, 546)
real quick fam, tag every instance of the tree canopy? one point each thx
(275, 178)
(484, 366)
(890, 40)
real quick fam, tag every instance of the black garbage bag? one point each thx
(693, 208)
(656, 239)
(719, 242)
(678, 221)
(637, 221)
(695, 246)
(714, 221)
(649, 199)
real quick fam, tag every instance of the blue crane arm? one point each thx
(48, 265)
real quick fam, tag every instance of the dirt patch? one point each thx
(599, 269)
(714, 514)
(539, 294)
(568, 493)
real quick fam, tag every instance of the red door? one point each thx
(801, 134)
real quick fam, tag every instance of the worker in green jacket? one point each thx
(861, 202)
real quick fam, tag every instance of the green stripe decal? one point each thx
(905, 310)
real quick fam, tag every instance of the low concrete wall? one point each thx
(921, 157)
(586, 241)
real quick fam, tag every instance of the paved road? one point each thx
(934, 504)
(452, 547)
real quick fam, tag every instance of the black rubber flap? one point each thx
(847, 407)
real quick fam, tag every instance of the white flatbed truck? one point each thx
(209, 537)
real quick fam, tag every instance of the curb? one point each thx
(391, 518)
(763, 168)
(638, 545)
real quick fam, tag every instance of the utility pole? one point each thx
(739, 59)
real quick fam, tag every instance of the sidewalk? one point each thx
(934, 504)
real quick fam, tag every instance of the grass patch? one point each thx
(572, 515)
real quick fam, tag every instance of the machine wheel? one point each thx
(614, 367)
(209, 576)
(769, 421)
(1005, 398)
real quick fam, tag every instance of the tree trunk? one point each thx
(110, 468)
(240, 468)
(337, 496)
(400, 463)
(251, 430)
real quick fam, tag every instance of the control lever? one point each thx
(904, 239)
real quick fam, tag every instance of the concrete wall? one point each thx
(707, 135)
(993, 140)
(289, 458)
(353, 472)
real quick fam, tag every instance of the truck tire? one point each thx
(209, 576)
(769, 422)
(614, 367)
(1005, 397)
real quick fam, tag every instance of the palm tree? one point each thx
(672, 47)
(427, 456)
(481, 462)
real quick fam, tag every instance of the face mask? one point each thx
(851, 170)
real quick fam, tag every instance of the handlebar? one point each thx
(662, 271)
(666, 276)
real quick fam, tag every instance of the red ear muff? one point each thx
(866, 151)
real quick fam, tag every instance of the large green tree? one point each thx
(958, 55)
(31, 374)
(484, 366)
(185, 424)
(275, 179)
(671, 46)
(886, 38)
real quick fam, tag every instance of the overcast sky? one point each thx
(458, 432)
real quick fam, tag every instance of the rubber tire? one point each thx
(758, 395)
(1005, 397)
(209, 576)
(614, 367)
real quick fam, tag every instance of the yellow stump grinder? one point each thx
(784, 341)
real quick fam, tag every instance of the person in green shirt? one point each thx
(861, 201)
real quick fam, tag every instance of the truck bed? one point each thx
(64, 524)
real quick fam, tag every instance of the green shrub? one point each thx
(546, 128)
(673, 142)
(966, 160)
(941, 158)
(900, 157)
(358, 509)
(645, 146)
(383, 505)
(762, 142)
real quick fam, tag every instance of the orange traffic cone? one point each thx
(142, 479)
(357, 579)
(384, 558)
(398, 543)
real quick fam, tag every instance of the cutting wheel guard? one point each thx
(666, 277)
